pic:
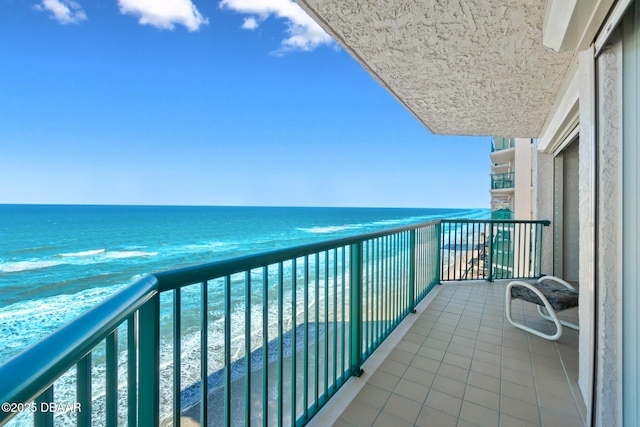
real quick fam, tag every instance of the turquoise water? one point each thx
(58, 261)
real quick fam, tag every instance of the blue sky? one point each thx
(203, 102)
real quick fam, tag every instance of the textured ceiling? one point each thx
(475, 67)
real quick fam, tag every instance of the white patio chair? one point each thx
(550, 292)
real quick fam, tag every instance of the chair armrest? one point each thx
(557, 280)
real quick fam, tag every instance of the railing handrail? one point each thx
(172, 279)
(500, 221)
(495, 175)
(32, 371)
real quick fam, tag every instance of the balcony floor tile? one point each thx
(459, 362)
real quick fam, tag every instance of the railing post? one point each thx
(149, 363)
(132, 369)
(490, 255)
(83, 390)
(111, 399)
(44, 419)
(355, 309)
(439, 246)
(538, 250)
(412, 270)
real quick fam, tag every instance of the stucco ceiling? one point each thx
(470, 67)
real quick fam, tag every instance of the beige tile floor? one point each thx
(460, 363)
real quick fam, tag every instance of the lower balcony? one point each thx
(502, 180)
(458, 362)
(502, 214)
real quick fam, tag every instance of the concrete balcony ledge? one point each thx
(505, 191)
(458, 362)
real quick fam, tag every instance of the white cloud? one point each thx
(64, 11)
(303, 32)
(164, 13)
(250, 24)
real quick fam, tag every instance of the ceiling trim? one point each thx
(557, 22)
(610, 25)
(565, 117)
(573, 24)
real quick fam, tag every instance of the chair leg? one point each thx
(553, 317)
(564, 322)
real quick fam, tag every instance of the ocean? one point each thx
(57, 261)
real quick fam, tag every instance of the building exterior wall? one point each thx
(543, 204)
(587, 213)
(609, 264)
(515, 160)
(522, 179)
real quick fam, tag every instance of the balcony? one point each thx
(277, 335)
(498, 144)
(459, 362)
(500, 181)
(503, 151)
(502, 214)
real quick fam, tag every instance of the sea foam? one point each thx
(25, 322)
(84, 253)
(330, 228)
(20, 266)
(129, 254)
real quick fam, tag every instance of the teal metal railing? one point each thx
(276, 335)
(501, 214)
(263, 339)
(498, 143)
(491, 249)
(502, 180)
